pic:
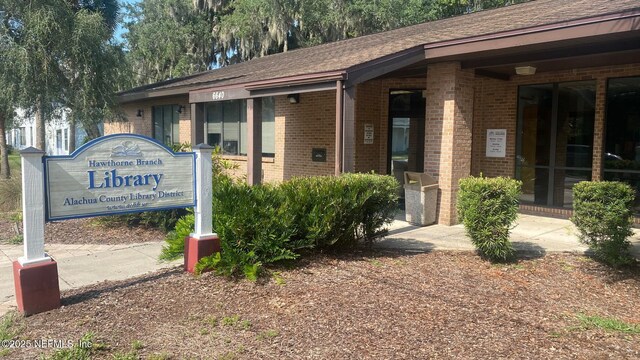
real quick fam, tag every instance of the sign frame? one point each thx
(91, 144)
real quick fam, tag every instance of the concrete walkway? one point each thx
(533, 234)
(80, 265)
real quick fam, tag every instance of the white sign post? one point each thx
(33, 207)
(114, 174)
(202, 242)
(203, 216)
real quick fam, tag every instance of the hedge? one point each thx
(488, 207)
(266, 223)
(603, 214)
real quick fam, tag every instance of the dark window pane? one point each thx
(576, 114)
(563, 182)
(214, 124)
(632, 179)
(535, 183)
(175, 124)
(157, 123)
(231, 127)
(167, 118)
(622, 146)
(268, 126)
(534, 124)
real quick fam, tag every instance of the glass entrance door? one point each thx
(406, 132)
(555, 140)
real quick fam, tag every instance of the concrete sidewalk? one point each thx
(532, 234)
(80, 265)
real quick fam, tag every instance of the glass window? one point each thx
(226, 126)
(23, 134)
(555, 140)
(166, 124)
(231, 127)
(622, 140)
(268, 126)
(66, 139)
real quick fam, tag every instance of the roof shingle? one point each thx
(344, 54)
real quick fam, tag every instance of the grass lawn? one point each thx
(14, 163)
(367, 305)
(10, 191)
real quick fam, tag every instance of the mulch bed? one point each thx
(85, 231)
(368, 305)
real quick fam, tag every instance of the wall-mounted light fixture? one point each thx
(525, 70)
(293, 98)
(140, 112)
(180, 109)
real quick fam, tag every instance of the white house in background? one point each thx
(23, 134)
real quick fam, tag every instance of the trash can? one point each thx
(420, 198)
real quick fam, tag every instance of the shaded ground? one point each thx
(389, 305)
(83, 231)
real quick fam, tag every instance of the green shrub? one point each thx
(487, 208)
(253, 226)
(340, 211)
(268, 223)
(174, 247)
(602, 212)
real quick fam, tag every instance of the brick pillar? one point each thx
(598, 130)
(448, 132)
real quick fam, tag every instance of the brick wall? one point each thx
(307, 125)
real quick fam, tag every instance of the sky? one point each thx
(120, 30)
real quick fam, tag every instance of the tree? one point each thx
(8, 84)
(64, 59)
(39, 29)
(172, 38)
(92, 69)
(167, 39)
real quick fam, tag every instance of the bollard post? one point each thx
(203, 241)
(35, 274)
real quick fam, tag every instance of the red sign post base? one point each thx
(196, 249)
(37, 288)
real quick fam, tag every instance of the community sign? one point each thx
(116, 174)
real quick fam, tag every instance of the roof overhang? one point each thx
(144, 95)
(271, 87)
(602, 29)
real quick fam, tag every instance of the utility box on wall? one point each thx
(319, 155)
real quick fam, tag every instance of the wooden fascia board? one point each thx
(145, 95)
(288, 85)
(375, 68)
(580, 29)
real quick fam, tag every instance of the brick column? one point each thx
(598, 130)
(448, 132)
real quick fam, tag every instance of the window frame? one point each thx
(551, 167)
(175, 120)
(241, 121)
